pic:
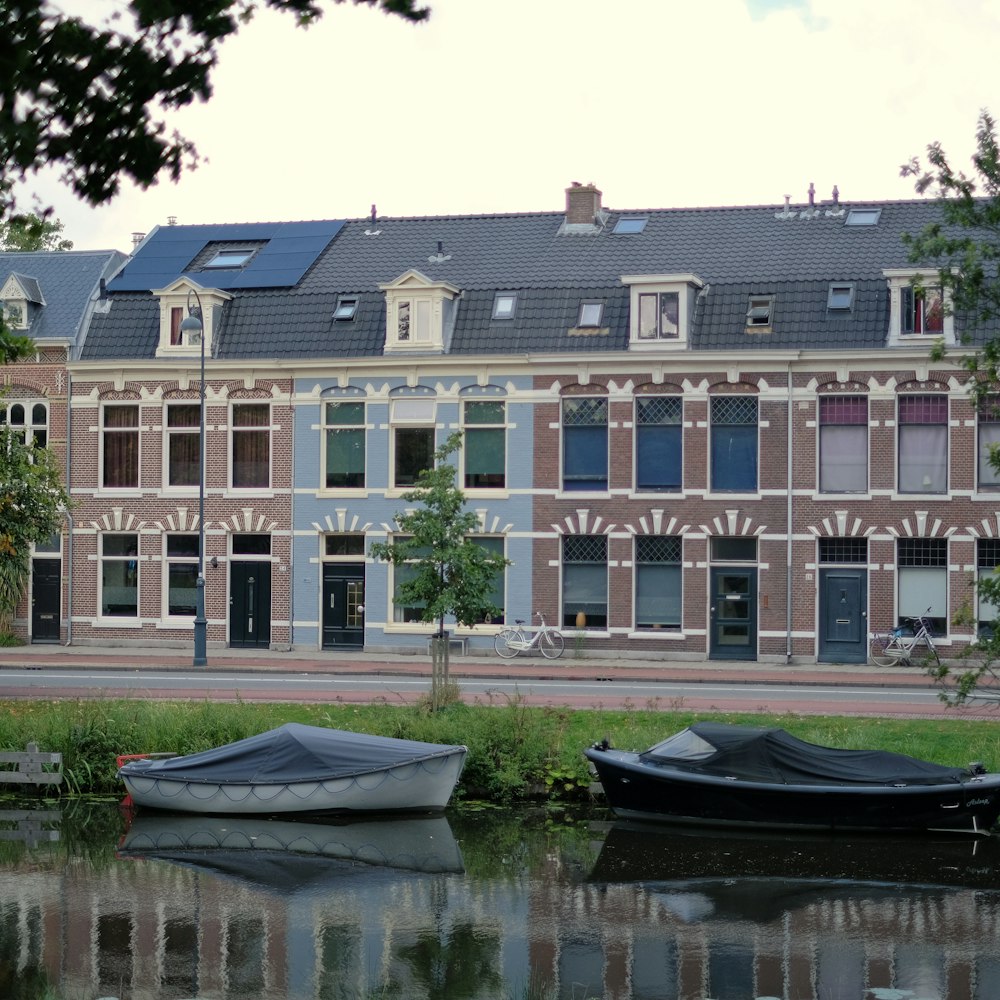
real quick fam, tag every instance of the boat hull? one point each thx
(639, 790)
(416, 786)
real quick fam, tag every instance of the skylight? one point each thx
(504, 305)
(591, 313)
(347, 307)
(759, 310)
(229, 258)
(841, 296)
(630, 224)
(863, 217)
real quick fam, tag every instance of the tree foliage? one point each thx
(452, 575)
(32, 500)
(964, 248)
(30, 232)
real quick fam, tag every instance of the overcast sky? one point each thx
(498, 105)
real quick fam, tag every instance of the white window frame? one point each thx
(686, 286)
(987, 478)
(30, 427)
(169, 561)
(502, 425)
(424, 301)
(175, 296)
(413, 413)
(327, 428)
(231, 449)
(102, 431)
(900, 278)
(102, 559)
(168, 433)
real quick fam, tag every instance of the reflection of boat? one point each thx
(283, 852)
(301, 769)
(759, 876)
(715, 774)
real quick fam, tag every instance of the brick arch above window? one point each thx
(658, 389)
(840, 388)
(342, 522)
(24, 390)
(583, 522)
(578, 389)
(181, 519)
(842, 525)
(733, 522)
(248, 520)
(117, 519)
(921, 525)
(733, 389)
(111, 394)
(988, 527)
(915, 385)
(655, 523)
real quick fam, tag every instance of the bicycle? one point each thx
(890, 648)
(516, 639)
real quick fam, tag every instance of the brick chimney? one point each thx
(583, 204)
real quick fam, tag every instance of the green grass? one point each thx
(516, 752)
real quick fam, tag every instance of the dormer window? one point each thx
(918, 311)
(760, 311)
(17, 292)
(174, 340)
(15, 314)
(419, 312)
(591, 313)
(504, 305)
(660, 308)
(347, 307)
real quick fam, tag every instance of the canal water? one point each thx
(483, 903)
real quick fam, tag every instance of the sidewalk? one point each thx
(586, 665)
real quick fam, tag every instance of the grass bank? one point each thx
(516, 751)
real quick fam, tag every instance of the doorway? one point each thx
(343, 606)
(250, 604)
(733, 613)
(843, 620)
(46, 592)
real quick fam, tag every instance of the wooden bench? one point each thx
(32, 767)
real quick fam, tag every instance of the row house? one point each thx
(48, 297)
(693, 432)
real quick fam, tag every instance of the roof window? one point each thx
(591, 313)
(863, 217)
(229, 258)
(504, 305)
(840, 296)
(628, 225)
(760, 311)
(347, 307)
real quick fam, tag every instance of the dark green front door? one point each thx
(46, 587)
(343, 606)
(733, 614)
(250, 604)
(843, 622)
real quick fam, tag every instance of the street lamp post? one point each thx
(193, 324)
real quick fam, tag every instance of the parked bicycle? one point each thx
(518, 639)
(895, 646)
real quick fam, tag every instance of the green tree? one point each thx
(90, 99)
(963, 249)
(32, 501)
(450, 575)
(22, 233)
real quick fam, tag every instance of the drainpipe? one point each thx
(66, 513)
(788, 535)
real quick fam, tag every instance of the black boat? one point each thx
(744, 776)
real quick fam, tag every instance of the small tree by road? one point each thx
(448, 575)
(32, 501)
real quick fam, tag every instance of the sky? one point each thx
(499, 105)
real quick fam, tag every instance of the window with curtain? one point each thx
(922, 580)
(734, 443)
(658, 443)
(657, 582)
(183, 444)
(344, 433)
(585, 580)
(251, 446)
(120, 443)
(843, 444)
(182, 574)
(988, 436)
(120, 575)
(484, 423)
(921, 310)
(923, 444)
(585, 443)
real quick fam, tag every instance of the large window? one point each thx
(402, 611)
(485, 444)
(988, 436)
(923, 444)
(734, 443)
(120, 575)
(30, 421)
(922, 579)
(412, 439)
(120, 441)
(843, 444)
(658, 436)
(987, 564)
(657, 582)
(585, 443)
(251, 446)
(921, 310)
(344, 431)
(585, 581)
(183, 444)
(181, 574)
(494, 546)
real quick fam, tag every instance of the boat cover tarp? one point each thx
(292, 752)
(770, 754)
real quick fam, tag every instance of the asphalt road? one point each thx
(405, 687)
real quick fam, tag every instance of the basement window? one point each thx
(863, 217)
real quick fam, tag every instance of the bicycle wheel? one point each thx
(502, 643)
(884, 652)
(932, 653)
(552, 644)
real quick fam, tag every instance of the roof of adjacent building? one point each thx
(61, 287)
(792, 253)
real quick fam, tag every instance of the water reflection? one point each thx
(484, 903)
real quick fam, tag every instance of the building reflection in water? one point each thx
(480, 905)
